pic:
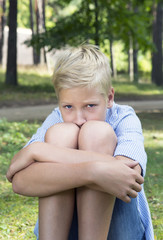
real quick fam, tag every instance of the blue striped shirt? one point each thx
(130, 144)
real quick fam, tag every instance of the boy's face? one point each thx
(81, 104)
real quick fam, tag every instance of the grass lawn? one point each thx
(18, 213)
(153, 134)
(35, 87)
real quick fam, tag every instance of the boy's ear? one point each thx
(110, 98)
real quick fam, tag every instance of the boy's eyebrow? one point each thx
(66, 103)
(85, 102)
(91, 100)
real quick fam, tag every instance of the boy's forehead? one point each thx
(80, 90)
(80, 94)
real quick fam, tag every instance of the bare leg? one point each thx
(55, 212)
(94, 207)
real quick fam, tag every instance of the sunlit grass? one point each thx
(35, 87)
(153, 134)
(131, 90)
(18, 214)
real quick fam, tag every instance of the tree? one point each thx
(37, 26)
(112, 60)
(2, 24)
(101, 21)
(41, 24)
(37, 15)
(32, 29)
(11, 73)
(133, 54)
(157, 60)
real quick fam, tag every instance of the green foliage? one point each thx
(98, 21)
(23, 17)
(19, 214)
(144, 62)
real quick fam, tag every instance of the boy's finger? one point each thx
(137, 187)
(140, 179)
(126, 199)
(133, 193)
(131, 163)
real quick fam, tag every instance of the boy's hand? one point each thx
(118, 178)
(20, 161)
(129, 161)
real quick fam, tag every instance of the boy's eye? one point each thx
(90, 105)
(68, 106)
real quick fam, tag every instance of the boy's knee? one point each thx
(97, 136)
(63, 134)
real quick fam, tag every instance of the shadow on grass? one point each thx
(151, 121)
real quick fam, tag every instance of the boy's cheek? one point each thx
(67, 118)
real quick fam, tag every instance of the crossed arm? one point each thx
(42, 169)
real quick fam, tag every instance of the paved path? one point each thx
(40, 112)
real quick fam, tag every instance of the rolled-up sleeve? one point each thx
(130, 140)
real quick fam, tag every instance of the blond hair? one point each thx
(83, 66)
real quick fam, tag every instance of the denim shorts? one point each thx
(126, 223)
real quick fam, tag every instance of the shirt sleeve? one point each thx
(130, 140)
(53, 118)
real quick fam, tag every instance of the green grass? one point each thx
(144, 90)
(18, 214)
(35, 87)
(153, 133)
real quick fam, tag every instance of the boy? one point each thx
(82, 158)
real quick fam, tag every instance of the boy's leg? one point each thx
(126, 223)
(55, 212)
(94, 207)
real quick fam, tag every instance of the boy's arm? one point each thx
(45, 152)
(43, 179)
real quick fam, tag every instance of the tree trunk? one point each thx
(154, 34)
(135, 55)
(32, 29)
(41, 25)
(130, 59)
(96, 22)
(44, 25)
(2, 24)
(157, 61)
(41, 13)
(37, 28)
(135, 62)
(112, 61)
(11, 73)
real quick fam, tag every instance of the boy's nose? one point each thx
(79, 119)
